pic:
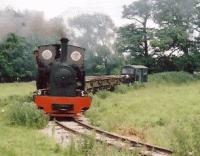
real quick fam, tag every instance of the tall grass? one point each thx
(26, 114)
(5, 101)
(16, 89)
(123, 89)
(22, 141)
(89, 147)
(186, 138)
(171, 77)
(17, 107)
(103, 94)
(148, 111)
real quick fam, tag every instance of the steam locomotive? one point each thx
(61, 80)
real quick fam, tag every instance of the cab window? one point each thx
(127, 71)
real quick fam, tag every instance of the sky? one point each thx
(70, 8)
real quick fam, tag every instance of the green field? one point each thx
(20, 89)
(153, 111)
(20, 140)
(19, 135)
(165, 112)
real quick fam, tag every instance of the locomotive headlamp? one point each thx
(127, 76)
(39, 92)
(47, 54)
(75, 55)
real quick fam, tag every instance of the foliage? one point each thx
(20, 33)
(17, 108)
(96, 32)
(134, 38)
(173, 38)
(26, 114)
(174, 12)
(173, 43)
(176, 26)
(103, 62)
(129, 40)
(16, 59)
(92, 30)
(162, 34)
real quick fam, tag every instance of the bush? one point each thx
(171, 77)
(26, 114)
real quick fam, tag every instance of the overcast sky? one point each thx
(53, 8)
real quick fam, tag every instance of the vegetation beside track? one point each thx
(16, 89)
(155, 111)
(164, 111)
(19, 123)
(15, 110)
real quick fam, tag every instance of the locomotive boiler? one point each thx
(61, 80)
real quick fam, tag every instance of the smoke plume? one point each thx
(30, 24)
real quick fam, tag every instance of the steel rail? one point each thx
(133, 142)
(145, 149)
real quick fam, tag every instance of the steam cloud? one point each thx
(30, 24)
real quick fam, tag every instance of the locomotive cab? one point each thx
(61, 80)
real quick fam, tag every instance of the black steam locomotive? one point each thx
(61, 79)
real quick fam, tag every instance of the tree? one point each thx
(16, 59)
(130, 40)
(175, 41)
(96, 33)
(92, 30)
(103, 62)
(139, 12)
(174, 12)
(175, 18)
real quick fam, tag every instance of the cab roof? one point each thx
(136, 66)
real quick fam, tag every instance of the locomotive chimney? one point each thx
(64, 49)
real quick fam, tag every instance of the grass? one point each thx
(172, 77)
(151, 111)
(186, 138)
(20, 141)
(16, 109)
(19, 119)
(13, 89)
(26, 114)
(88, 147)
(165, 111)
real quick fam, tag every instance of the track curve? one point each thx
(83, 129)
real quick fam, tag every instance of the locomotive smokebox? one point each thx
(64, 49)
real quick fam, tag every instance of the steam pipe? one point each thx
(64, 49)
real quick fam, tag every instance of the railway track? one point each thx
(80, 128)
